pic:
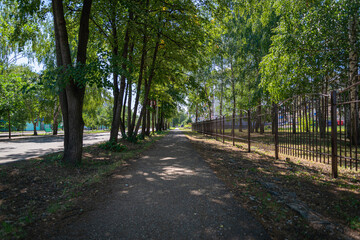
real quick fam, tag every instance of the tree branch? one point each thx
(100, 28)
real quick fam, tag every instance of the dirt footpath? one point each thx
(169, 193)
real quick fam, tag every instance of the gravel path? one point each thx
(169, 193)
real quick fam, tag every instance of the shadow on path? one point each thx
(169, 193)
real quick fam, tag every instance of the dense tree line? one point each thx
(140, 59)
(267, 51)
(132, 57)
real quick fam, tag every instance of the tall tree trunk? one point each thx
(234, 110)
(294, 117)
(157, 118)
(323, 108)
(240, 121)
(258, 118)
(353, 129)
(141, 73)
(161, 120)
(131, 54)
(153, 117)
(273, 119)
(57, 110)
(62, 94)
(234, 98)
(261, 119)
(322, 119)
(115, 82)
(306, 118)
(117, 123)
(74, 94)
(151, 76)
(196, 113)
(143, 126)
(147, 133)
(124, 108)
(34, 124)
(210, 112)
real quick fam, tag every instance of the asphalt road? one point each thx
(29, 147)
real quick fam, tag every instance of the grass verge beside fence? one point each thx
(249, 175)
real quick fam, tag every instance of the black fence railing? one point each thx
(318, 127)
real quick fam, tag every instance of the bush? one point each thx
(186, 122)
(112, 146)
(188, 125)
(134, 139)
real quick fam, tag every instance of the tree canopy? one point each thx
(131, 65)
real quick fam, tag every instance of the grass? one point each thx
(56, 189)
(336, 199)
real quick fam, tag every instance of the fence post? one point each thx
(276, 129)
(249, 129)
(334, 165)
(223, 129)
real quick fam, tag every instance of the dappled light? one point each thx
(172, 188)
(91, 92)
(167, 158)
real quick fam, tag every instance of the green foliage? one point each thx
(186, 121)
(97, 110)
(355, 222)
(9, 231)
(133, 138)
(310, 47)
(112, 146)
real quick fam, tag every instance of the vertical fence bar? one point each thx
(334, 166)
(276, 126)
(249, 129)
(311, 127)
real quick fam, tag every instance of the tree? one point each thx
(73, 87)
(11, 102)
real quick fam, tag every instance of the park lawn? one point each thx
(337, 200)
(39, 194)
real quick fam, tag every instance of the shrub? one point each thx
(112, 146)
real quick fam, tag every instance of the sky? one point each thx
(32, 63)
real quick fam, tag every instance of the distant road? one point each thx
(35, 146)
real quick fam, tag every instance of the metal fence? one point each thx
(318, 127)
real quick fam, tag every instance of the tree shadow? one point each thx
(168, 193)
(336, 199)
